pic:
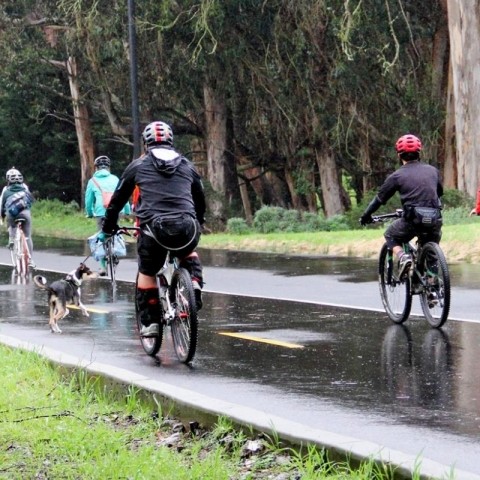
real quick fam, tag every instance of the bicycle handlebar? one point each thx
(126, 230)
(381, 218)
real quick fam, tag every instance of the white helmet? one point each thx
(14, 176)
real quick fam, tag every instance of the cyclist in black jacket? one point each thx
(420, 189)
(170, 212)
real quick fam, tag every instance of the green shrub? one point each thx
(276, 219)
(290, 221)
(237, 226)
(336, 223)
(267, 219)
(453, 198)
(311, 222)
(54, 208)
(457, 216)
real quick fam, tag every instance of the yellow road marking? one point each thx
(261, 340)
(89, 309)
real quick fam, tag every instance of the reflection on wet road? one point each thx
(410, 387)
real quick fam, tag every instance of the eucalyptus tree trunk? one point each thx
(216, 140)
(450, 173)
(330, 182)
(464, 18)
(82, 126)
(221, 163)
(440, 86)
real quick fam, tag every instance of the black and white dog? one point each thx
(63, 292)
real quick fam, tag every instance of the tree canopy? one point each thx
(278, 102)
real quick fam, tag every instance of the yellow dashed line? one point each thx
(261, 340)
(89, 309)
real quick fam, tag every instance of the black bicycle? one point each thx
(179, 311)
(427, 277)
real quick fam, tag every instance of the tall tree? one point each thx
(463, 19)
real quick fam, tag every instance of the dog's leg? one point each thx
(80, 305)
(54, 318)
(83, 309)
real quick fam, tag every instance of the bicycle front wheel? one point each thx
(435, 297)
(111, 261)
(185, 324)
(151, 345)
(395, 292)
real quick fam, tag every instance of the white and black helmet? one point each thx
(14, 176)
(102, 161)
(157, 133)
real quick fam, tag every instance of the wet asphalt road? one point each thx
(412, 389)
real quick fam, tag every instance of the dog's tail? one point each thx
(40, 281)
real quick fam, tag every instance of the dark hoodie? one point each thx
(168, 182)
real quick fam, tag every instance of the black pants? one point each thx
(401, 232)
(179, 235)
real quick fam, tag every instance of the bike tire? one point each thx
(21, 253)
(112, 262)
(151, 345)
(395, 293)
(184, 326)
(433, 268)
(13, 256)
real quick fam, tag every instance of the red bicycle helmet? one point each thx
(408, 144)
(157, 133)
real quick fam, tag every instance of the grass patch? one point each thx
(67, 426)
(459, 242)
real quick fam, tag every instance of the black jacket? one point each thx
(418, 184)
(168, 184)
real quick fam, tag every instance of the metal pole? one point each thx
(132, 37)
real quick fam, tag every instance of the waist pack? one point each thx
(98, 250)
(424, 216)
(18, 202)
(173, 232)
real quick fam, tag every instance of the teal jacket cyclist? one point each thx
(102, 181)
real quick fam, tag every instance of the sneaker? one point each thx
(152, 330)
(432, 299)
(404, 263)
(198, 294)
(32, 264)
(102, 272)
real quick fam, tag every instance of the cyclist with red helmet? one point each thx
(420, 188)
(170, 214)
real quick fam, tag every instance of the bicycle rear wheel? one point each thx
(151, 345)
(395, 293)
(435, 298)
(185, 324)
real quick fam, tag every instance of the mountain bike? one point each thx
(179, 311)
(427, 277)
(19, 251)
